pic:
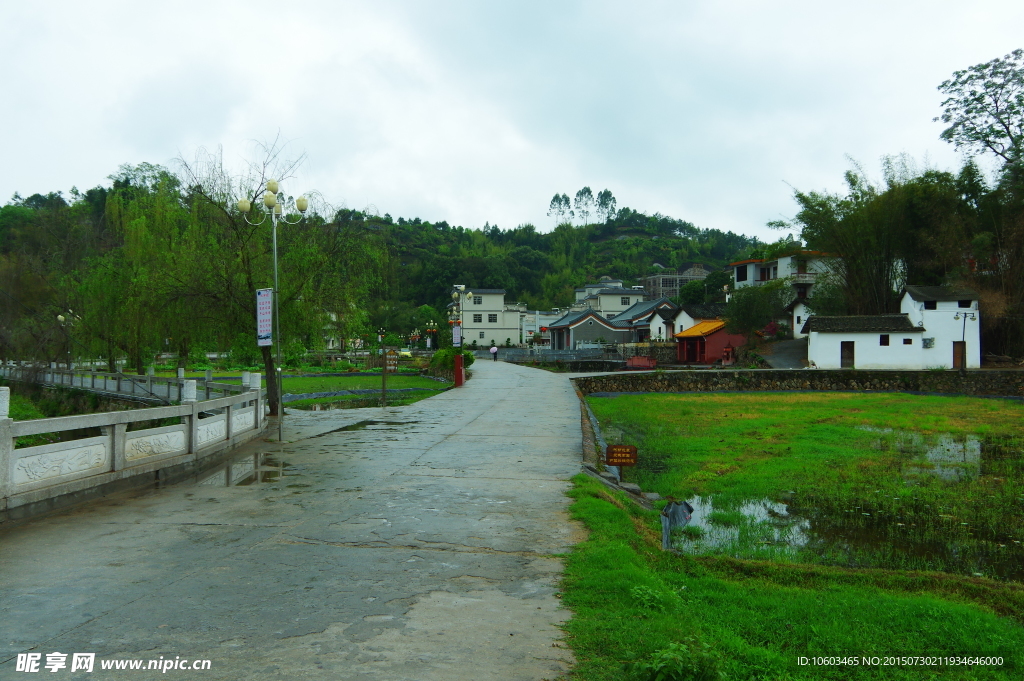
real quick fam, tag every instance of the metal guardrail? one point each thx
(524, 355)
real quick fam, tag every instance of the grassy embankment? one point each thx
(322, 384)
(22, 409)
(814, 515)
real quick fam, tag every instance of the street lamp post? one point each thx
(270, 201)
(65, 322)
(459, 295)
(431, 332)
(973, 316)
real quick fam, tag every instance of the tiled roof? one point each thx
(570, 317)
(484, 290)
(705, 311)
(941, 293)
(641, 308)
(883, 323)
(701, 329)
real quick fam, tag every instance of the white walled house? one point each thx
(532, 321)
(607, 297)
(799, 312)
(801, 268)
(953, 322)
(689, 316)
(486, 318)
(889, 341)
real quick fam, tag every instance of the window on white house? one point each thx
(929, 305)
(741, 273)
(883, 339)
(927, 343)
(481, 334)
(798, 320)
(963, 303)
(492, 318)
(478, 300)
(478, 318)
(624, 301)
(908, 341)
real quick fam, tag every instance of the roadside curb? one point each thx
(593, 444)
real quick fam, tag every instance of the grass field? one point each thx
(826, 524)
(323, 384)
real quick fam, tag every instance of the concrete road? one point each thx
(422, 545)
(791, 354)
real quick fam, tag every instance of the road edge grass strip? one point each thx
(1003, 598)
(637, 608)
(358, 401)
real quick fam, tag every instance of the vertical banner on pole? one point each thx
(264, 317)
(456, 336)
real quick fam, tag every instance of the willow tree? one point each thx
(223, 256)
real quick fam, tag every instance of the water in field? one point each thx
(956, 505)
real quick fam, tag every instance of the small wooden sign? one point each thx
(620, 455)
(391, 360)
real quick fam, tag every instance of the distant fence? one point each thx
(98, 453)
(527, 355)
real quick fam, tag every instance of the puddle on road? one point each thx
(912, 525)
(243, 471)
(361, 425)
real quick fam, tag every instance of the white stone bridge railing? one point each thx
(152, 389)
(125, 453)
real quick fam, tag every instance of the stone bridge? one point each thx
(68, 459)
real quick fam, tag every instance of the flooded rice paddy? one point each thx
(952, 504)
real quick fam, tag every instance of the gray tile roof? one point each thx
(705, 311)
(470, 289)
(618, 291)
(941, 293)
(883, 323)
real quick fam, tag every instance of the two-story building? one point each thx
(953, 320)
(666, 283)
(534, 325)
(800, 268)
(607, 297)
(486, 318)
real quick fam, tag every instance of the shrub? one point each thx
(679, 662)
(445, 359)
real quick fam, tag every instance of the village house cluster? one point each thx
(937, 327)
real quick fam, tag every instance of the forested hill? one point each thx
(116, 270)
(542, 269)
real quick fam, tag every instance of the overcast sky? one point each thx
(480, 111)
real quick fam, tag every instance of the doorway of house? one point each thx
(959, 355)
(846, 354)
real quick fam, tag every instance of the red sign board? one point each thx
(620, 455)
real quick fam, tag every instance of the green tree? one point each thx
(605, 204)
(984, 107)
(752, 308)
(560, 208)
(691, 293)
(583, 204)
(327, 265)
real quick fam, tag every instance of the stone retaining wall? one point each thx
(1004, 383)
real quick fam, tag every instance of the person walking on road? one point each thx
(494, 352)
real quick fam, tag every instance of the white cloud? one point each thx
(474, 112)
